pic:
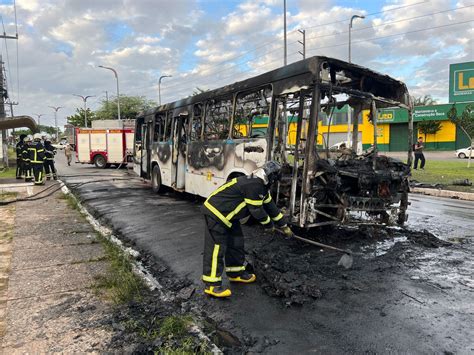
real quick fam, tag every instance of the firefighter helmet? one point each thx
(268, 172)
(47, 138)
(37, 136)
(28, 138)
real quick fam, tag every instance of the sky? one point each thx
(211, 43)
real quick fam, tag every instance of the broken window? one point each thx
(159, 131)
(168, 125)
(196, 124)
(252, 110)
(217, 119)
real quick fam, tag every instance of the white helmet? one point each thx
(28, 138)
(47, 138)
(37, 136)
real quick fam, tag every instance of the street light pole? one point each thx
(39, 118)
(285, 53)
(350, 28)
(159, 86)
(118, 91)
(84, 98)
(56, 109)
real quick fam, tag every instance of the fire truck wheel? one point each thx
(156, 179)
(100, 162)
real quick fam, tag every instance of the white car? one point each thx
(337, 146)
(464, 153)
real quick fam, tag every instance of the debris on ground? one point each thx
(462, 182)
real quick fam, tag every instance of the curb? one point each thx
(138, 267)
(467, 196)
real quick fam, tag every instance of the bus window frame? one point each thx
(231, 98)
(193, 118)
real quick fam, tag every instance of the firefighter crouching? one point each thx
(20, 170)
(237, 199)
(49, 152)
(37, 156)
(25, 157)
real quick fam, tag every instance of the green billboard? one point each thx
(461, 82)
(420, 113)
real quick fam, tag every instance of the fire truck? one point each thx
(107, 142)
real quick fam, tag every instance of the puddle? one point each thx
(382, 247)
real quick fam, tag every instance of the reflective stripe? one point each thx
(211, 279)
(266, 221)
(253, 202)
(37, 161)
(278, 217)
(234, 268)
(215, 254)
(216, 212)
(223, 187)
(268, 199)
(40, 150)
(237, 210)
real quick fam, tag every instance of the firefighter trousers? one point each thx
(50, 169)
(19, 169)
(38, 173)
(27, 171)
(222, 243)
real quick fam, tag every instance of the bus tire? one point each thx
(100, 161)
(156, 185)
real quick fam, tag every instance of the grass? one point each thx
(7, 173)
(445, 172)
(7, 195)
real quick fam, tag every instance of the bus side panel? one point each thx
(163, 158)
(115, 153)
(83, 147)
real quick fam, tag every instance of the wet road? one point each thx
(363, 309)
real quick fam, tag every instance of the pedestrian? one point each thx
(25, 156)
(419, 156)
(20, 170)
(50, 152)
(68, 153)
(223, 239)
(37, 157)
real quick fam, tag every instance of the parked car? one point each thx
(340, 145)
(464, 153)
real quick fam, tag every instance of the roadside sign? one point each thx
(461, 82)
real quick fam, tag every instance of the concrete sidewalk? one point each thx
(50, 257)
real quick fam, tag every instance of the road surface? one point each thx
(408, 293)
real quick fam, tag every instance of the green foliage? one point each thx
(465, 119)
(78, 119)
(175, 326)
(42, 128)
(429, 127)
(130, 106)
(423, 100)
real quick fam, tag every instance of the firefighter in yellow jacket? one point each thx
(237, 199)
(37, 156)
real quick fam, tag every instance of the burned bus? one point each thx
(198, 143)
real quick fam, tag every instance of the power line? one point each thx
(359, 41)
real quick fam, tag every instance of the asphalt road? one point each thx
(405, 297)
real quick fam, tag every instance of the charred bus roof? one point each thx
(330, 73)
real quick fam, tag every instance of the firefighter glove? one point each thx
(286, 231)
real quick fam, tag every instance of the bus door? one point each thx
(164, 148)
(178, 154)
(145, 151)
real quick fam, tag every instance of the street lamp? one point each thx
(350, 27)
(56, 109)
(39, 117)
(84, 98)
(159, 86)
(118, 91)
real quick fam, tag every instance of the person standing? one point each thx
(68, 154)
(223, 239)
(419, 156)
(25, 155)
(20, 170)
(49, 152)
(37, 157)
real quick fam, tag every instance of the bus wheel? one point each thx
(100, 162)
(156, 179)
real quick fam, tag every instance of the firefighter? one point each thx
(49, 152)
(25, 155)
(235, 200)
(20, 170)
(37, 157)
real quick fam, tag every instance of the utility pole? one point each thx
(303, 43)
(38, 115)
(159, 86)
(350, 28)
(107, 101)
(56, 109)
(118, 90)
(4, 94)
(285, 54)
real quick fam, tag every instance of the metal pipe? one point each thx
(159, 86)
(373, 110)
(350, 28)
(294, 179)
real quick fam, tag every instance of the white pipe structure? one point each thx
(84, 98)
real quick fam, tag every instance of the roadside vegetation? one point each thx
(445, 173)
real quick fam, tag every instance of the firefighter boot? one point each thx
(217, 291)
(245, 278)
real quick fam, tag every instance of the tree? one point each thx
(465, 121)
(43, 129)
(78, 119)
(130, 106)
(429, 127)
(423, 100)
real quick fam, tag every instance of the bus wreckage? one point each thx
(198, 143)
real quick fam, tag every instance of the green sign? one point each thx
(461, 82)
(420, 113)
